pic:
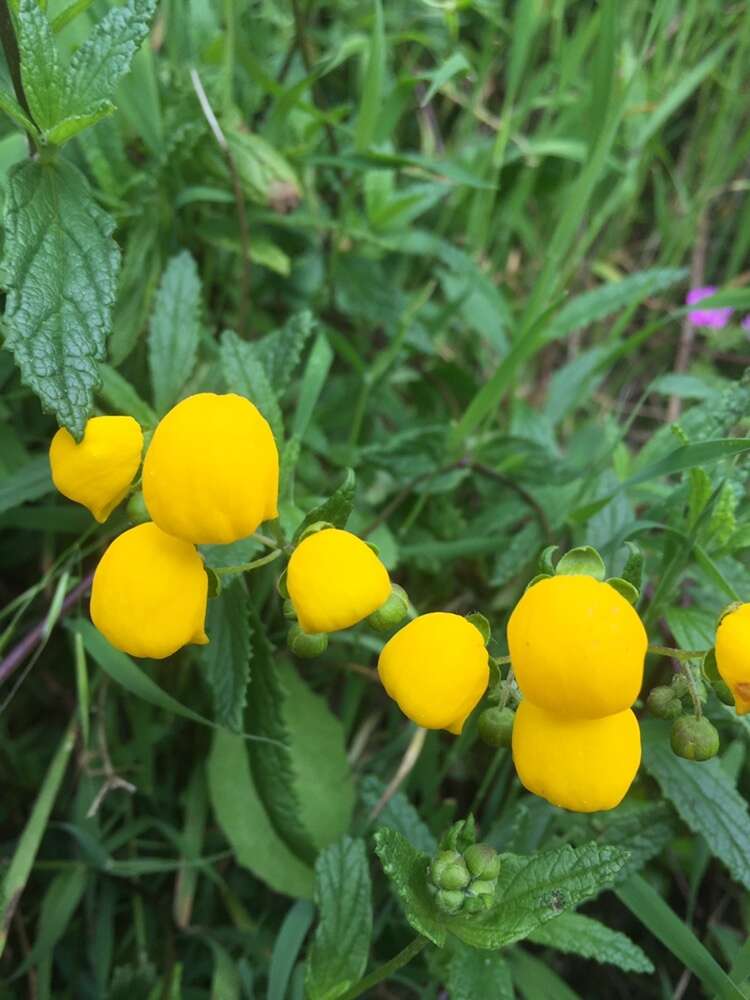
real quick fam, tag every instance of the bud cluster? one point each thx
(693, 737)
(462, 876)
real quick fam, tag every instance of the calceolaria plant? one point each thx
(374, 577)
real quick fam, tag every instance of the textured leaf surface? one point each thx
(406, 867)
(245, 374)
(643, 830)
(336, 509)
(579, 935)
(280, 351)
(41, 70)
(245, 822)
(343, 894)
(398, 814)
(175, 329)
(472, 975)
(705, 797)
(61, 267)
(227, 655)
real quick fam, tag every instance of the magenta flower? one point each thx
(745, 324)
(713, 318)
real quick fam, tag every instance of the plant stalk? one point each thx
(387, 970)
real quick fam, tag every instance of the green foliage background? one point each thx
(445, 246)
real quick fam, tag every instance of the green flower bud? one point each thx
(680, 686)
(289, 611)
(136, 509)
(306, 644)
(496, 726)
(477, 904)
(483, 862)
(664, 703)
(448, 871)
(694, 739)
(394, 610)
(449, 901)
(483, 887)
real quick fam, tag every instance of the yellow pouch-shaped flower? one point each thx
(335, 580)
(211, 473)
(733, 655)
(436, 668)
(577, 647)
(97, 472)
(585, 765)
(149, 593)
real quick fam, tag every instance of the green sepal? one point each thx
(496, 679)
(478, 620)
(460, 836)
(710, 672)
(214, 582)
(335, 510)
(281, 587)
(136, 509)
(372, 547)
(288, 609)
(632, 572)
(728, 611)
(392, 612)
(625, 589)
(495, 726)
(581, 561)
(536, 579)
(306, 645)
(313, 529)
(545, 564)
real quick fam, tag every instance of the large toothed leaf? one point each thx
(61, 266)
(42, 73)
(175, 329)
(227, 655)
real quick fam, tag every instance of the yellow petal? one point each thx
(733, 655)
(149, 593)
(97, 472)
(585, 765)
(335, 580)
(211, 473)
(577, 647)
(436, 668)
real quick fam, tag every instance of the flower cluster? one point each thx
(210, 474)
(577, 648)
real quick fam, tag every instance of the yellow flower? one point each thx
(577, 647)
(97, 472)
(211, 472)
(149, 593)
(581, 764)
(335, 580)
(733, 655)
(437, 669)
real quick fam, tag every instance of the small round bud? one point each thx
(483, 887)
(664, 703)
(694, 739)
(448, 871)
(449, 901)
(680, 686)
(482, 861)
(136, 509)
(289, 612)
(306, 644)
(477, 904)
(496, 726)
(392, 612)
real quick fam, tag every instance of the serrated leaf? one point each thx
(118, 393)
(576, 934)
(61, 273)
(71, 125)
(245, 374)
(246, 825)
(13, 109)
(343, 894)
(398, 814)
(105, 56)
(335, 510)
(227, 655)
(471, 976)
(532, 890)
(642, 829)
(280, 351)
(406, 868)
(704, 796)
(42, 73)
(174, 330)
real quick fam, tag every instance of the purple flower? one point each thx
(745, 324)
(712, 318)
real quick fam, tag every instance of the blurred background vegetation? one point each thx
(466, 230)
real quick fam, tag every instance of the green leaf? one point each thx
(371, 102)
(71, 125)
(174, 330)
(535, 979)
(641, 829)
(335, 510)
(246, 825)
(42, 73)
(266, 176)
(471, 976)
(13, 109)
(30, 482)
(280, 351)
(576, 934)
(530, 891)
(61, 268)
(704, 796)
(398, 814)
(245, 374)
(343, 894)
(22, 861)
(119, 394)
(106, 55)
(227, 656)
(314, 378)
(406, 869)
(58, 906)
(287, 947)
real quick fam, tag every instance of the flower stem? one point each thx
(249, 566)
(678, 654)
(385, 971)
